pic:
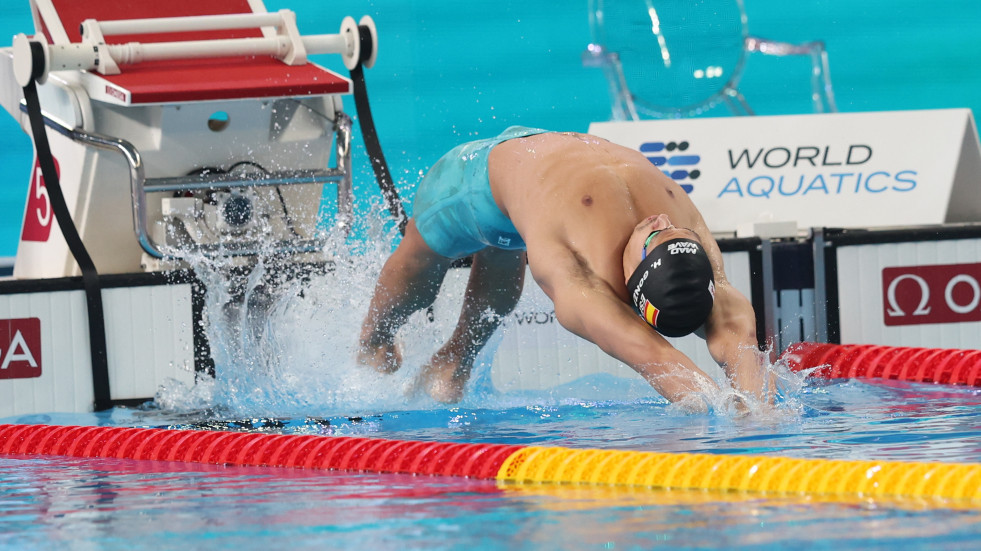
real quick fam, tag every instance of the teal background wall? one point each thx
(449, 71)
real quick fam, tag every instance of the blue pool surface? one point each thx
(110, 504)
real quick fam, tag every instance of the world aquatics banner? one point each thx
(896, 168)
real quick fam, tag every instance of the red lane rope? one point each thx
(251, 449)
(920, 365)
(510, 464)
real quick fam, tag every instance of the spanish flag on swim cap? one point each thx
(650, 313)
(673, 288)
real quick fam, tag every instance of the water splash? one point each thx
(284, 342)
(284, 336)
(783, 391)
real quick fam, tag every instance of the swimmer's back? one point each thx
(572, 183)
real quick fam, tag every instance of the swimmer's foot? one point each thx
(383, 355)
(444, 378)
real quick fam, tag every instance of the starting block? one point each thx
(182, 128)
(178, 130)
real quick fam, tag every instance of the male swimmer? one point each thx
(616, 244)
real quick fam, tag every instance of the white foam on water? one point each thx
(290, 349)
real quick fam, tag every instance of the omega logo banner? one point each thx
(895, 168)
(20, 348)
(917, 295)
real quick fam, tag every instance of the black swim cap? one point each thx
(673, 288)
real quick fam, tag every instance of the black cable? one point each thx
(370, 134)
(371, 142)
(90, 276)
(253, 164)
(279, 193)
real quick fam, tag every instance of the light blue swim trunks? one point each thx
(454, 209)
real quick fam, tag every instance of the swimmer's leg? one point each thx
(408, 282)
(496, 280)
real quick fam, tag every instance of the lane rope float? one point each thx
(913, 364)
(506, 463)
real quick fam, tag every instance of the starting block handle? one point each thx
(287, 45)
(186, 24)
(133, 53)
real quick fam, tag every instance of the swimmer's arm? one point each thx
(730, 334)
(588, 307)
(730, 331)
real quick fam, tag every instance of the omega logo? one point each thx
(932, 294)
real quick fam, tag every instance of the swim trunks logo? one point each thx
(504, 241)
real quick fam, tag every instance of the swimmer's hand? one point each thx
(737, 405)
(740, 406)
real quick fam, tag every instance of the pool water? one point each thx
(57, 503)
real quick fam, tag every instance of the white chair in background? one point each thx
(680, 58)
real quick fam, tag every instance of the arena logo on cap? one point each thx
(679, 166)
(682, 247)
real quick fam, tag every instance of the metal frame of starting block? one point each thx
(183, 128)
(163, 131)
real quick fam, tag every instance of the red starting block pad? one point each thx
(184, 80)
